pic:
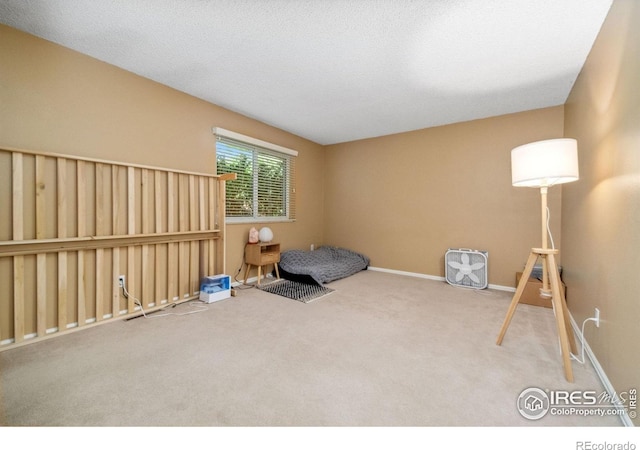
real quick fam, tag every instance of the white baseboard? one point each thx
(250, 280)
(624, 416)
(435, 278)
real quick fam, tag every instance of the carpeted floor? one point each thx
(382, 350)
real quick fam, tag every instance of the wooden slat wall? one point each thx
(76, 224)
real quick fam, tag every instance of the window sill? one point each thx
(253, 220)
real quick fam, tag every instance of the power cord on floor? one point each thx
(201, 308)
(242, 284)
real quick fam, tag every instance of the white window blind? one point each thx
(265, 186)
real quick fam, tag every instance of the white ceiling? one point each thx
(336, 70)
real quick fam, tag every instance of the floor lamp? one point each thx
(541, 165)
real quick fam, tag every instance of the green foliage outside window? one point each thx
(260, 189)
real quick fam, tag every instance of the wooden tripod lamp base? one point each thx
(567, 340)
(540, 165)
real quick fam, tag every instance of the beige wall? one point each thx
(405, 199)
(601, 211)
(57, 100)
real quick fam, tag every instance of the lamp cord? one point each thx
(243, 284)
(580, 359)
(549, 229)
(574, 357)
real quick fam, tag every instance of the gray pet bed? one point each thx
(321, 266)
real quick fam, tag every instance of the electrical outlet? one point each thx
(597, 317)
(121, 281)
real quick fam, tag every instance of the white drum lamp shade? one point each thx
(266, 235)
(545, 163)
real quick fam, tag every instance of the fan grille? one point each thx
(466, 268)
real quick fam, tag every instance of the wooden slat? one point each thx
(41, 294)
(146, 295)
(100, 279)
(194, 260)
(61, 201)
(40, 198)
(82, 198)
(41, 258)
(192, 205)
(202, 210)
(182, 205)
(17, 176)
(146, 219)
(35, 246)
(61, 196)
(202, 215)
(183, 260)
(81, 285)
(18, 299)
(101, 200)
(131, 201)
(100, 231)
(157, 193)
(159, 288)
(116, 216)
(63, 291)
(212, 224)
(115, 288)
(171, 248)
(82, 230)
(130, 284)
(131, 229)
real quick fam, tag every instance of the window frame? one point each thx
(259, 147)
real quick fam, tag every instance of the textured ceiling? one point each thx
(336, 70)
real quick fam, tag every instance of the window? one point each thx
(264, 189)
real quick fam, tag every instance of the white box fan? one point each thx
(466, 268)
